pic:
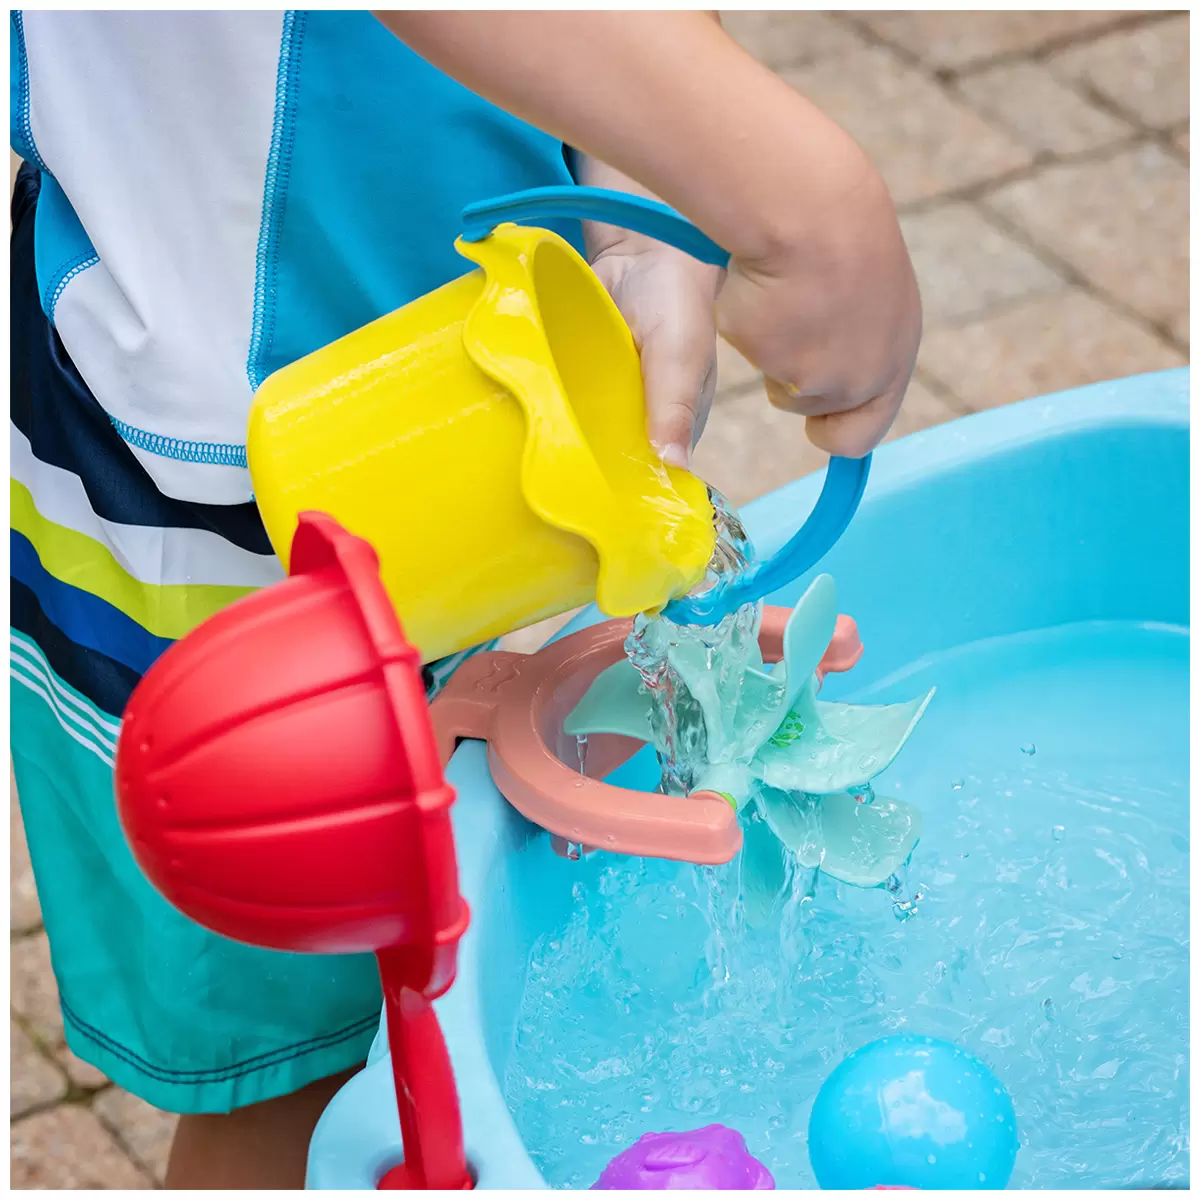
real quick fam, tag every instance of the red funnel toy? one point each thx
(278, 780)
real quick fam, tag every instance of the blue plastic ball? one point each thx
(912, 1112)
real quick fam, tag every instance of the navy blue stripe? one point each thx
(82, 617)
(107, 683)
(65, 424)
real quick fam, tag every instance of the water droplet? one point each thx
(956, 785)
(931, 1159)
(1116, 954)
(1058, 832)
(581, 747)
(1029, 749)
(574, 851)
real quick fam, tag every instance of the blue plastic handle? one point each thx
(651, 217)
(845, 478)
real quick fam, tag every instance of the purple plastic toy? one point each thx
(712, 1158)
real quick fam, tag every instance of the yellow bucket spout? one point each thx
(489, 440)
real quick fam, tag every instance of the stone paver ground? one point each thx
(1040, 164)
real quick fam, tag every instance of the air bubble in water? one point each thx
(956, 786)
(1030, 749)
(1058, 832)
(904, 903)
(865, 794)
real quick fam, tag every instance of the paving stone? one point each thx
(922, 409)
(34, 993)
(25, 913)
(1045, 113)
(954, 40)
(966, 266)
(751, 448)
(33, 1080)
(145, 1131)
(734, 373)
(1121, 222)
(1142, 71)
(81, 1073)
(1050, 343)
(68, 1148)
(923, 141)
(781, 38)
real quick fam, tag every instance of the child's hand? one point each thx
(820, 293)
(831, 314)
(668, 300)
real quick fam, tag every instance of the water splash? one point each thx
(649, 1003)
(681, 737)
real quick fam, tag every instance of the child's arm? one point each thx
(820, 292)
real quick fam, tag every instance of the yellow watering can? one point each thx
(489, 440)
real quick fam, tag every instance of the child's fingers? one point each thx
(856, 432)
(679, 372)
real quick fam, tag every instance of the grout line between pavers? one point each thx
(27, 1027)
(1038, 160)
(1138, 20)
(943, 392)
(1076, 278)
(128, 1151)
(941, 81)
(1044, 50)
(1166, 141)
(134, 1161)
(973, 193)
(999, 307)
(76, 1093)
(1085, 89)
(1087, 95)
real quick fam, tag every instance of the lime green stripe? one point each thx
(166, 610)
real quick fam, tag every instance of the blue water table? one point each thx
(1032, 562)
